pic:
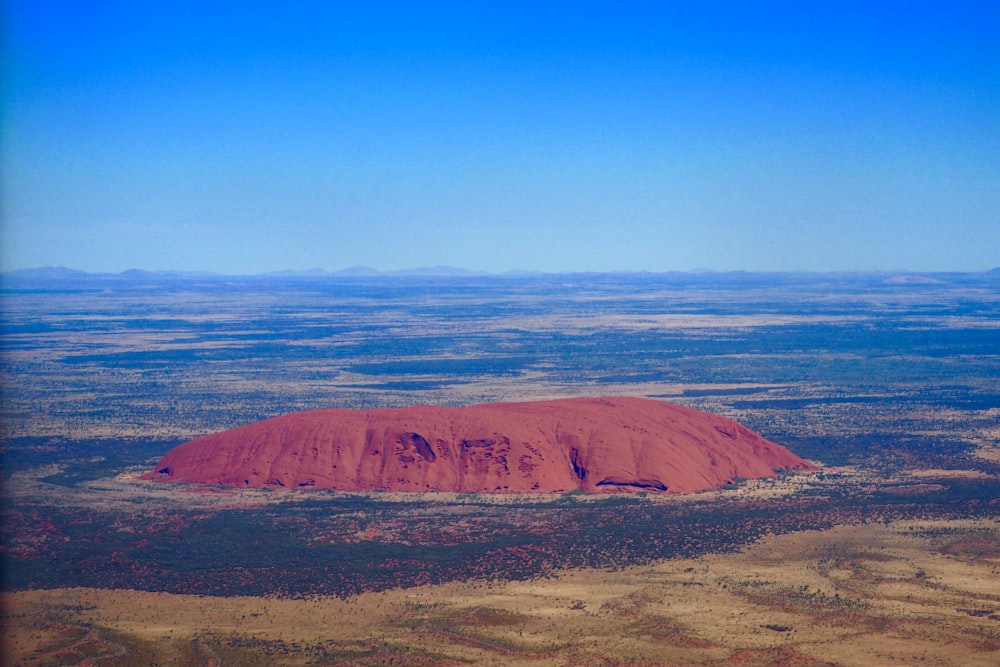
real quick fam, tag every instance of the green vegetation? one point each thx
(340, 545)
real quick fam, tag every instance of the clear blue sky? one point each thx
(243, 137)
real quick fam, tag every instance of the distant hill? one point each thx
(356, 271)
(47, 273)
(61, 273)
(307, 273)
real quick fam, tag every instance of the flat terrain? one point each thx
(887, 556)
(904, 594)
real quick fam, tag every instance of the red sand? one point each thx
(590, 444)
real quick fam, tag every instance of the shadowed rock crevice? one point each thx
(654, 484)
(578, 469)
(419, 444)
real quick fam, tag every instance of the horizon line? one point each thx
(56, 272)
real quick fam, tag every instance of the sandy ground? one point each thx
(898, 594)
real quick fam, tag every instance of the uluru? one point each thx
(553, 446)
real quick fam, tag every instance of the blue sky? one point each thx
(246, 137)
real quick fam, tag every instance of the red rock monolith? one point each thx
(588, 444)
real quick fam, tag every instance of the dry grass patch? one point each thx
(894, 594)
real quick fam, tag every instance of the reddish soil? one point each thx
(588, 444)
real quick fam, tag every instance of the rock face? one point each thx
(588, 444)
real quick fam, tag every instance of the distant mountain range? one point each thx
(64, 274)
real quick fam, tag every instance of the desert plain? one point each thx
(888, 555)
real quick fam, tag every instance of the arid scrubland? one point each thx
(900, 594)
(888, 556)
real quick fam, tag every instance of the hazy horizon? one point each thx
(261, 137)
(446, 271)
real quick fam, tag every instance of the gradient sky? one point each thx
(243, 137)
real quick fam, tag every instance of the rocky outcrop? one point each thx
(588, 444)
